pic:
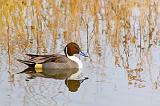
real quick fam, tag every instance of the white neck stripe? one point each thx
(77, 60)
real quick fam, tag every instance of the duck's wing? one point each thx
(40, 59)
(35, 56)
(45, 58)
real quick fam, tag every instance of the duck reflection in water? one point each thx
(72, 77)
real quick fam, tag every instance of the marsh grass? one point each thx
(25, 21)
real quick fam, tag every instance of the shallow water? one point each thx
(107, 84)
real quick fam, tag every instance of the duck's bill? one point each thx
(83, 54)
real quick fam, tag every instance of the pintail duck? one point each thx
(57, 61)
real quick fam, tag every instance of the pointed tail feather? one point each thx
(29, 70)
(29, 63)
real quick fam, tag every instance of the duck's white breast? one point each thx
(77, 60)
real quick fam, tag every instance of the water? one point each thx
(107, 84)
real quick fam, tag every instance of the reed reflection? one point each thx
(135, 77)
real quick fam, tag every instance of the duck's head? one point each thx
(73, 48)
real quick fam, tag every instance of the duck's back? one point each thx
(60, 63)
(55, 61)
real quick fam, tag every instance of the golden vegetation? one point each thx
(25, 21)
